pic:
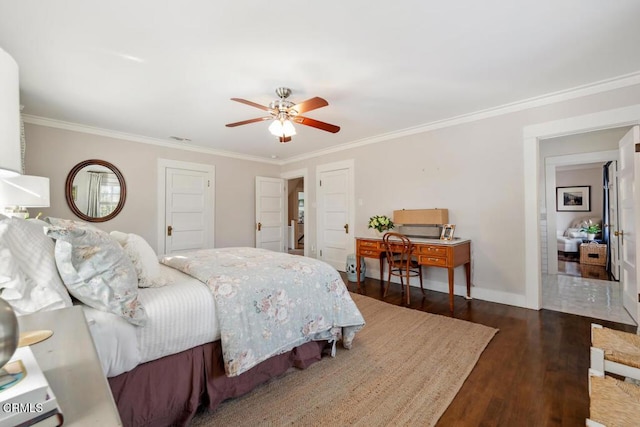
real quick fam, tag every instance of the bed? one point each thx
(233, 318)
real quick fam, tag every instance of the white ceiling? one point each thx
(162, 68)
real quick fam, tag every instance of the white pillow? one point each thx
(12, 282)
(144, 260)
(578, 234)
(120, 237)
(570, 231)
(96, 270)
(28, 268)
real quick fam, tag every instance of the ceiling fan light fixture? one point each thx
(282, 128)
(283, 113)
(275, 128)
(287, 128)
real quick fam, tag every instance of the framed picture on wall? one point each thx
(573, 199)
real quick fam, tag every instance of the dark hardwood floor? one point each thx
(533, 372)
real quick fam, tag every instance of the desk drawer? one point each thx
(433, 250)
(371, 253)
(369, 244)
(432, 260)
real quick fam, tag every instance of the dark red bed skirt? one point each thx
(168, 391)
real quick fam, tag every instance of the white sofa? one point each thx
(569, 240)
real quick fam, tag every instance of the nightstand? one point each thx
(71, 365)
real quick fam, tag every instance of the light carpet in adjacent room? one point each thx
(405, 368)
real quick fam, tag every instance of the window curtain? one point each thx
(93, 204)
(605, 213)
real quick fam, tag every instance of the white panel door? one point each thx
(186, 215)
(270, 214)
(628, 227)
(335, 228)
(614, 226)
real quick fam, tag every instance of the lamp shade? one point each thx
(276, 128)
(282, 128)
(10, 153)
(25, 191)
(287, 128)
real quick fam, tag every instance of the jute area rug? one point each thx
(405, 368)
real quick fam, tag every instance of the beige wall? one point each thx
(476, 171)
(53, 152)
(473, 169)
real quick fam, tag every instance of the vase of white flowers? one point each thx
(381, 223)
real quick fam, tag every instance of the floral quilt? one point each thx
(270, 302)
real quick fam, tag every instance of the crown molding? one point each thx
(538, 101)
(59, 124)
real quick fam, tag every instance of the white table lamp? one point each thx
(23, 191)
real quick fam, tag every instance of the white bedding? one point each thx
(170, 327)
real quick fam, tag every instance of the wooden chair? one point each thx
(401, 262)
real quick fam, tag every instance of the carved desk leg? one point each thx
(467, 270)
(450, 274)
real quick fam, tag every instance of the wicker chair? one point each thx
(401, 262)
(612, 402)
(615, 351)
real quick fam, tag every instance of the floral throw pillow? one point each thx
(70, 223)
(144, 259)
(96, 271)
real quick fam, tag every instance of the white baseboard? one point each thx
(460, 289)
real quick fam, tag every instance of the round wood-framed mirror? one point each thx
(95, 190)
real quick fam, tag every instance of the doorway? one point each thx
(579, 253)
(335, 212)
(574, 277)
(296, 215)
(185, 207)
(298, 211)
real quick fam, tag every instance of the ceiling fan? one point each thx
(284, 112)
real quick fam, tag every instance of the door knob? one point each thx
(259, 226)
(346, 228)
(169, 230)
(618, 233)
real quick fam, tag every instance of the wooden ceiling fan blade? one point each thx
(310, 104)
(316, 124)
(253, 104)
(246, 122)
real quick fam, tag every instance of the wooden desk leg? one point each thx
(467, 270)
(381, 270)
(450, 270)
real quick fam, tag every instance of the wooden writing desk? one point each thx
(447, 254)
